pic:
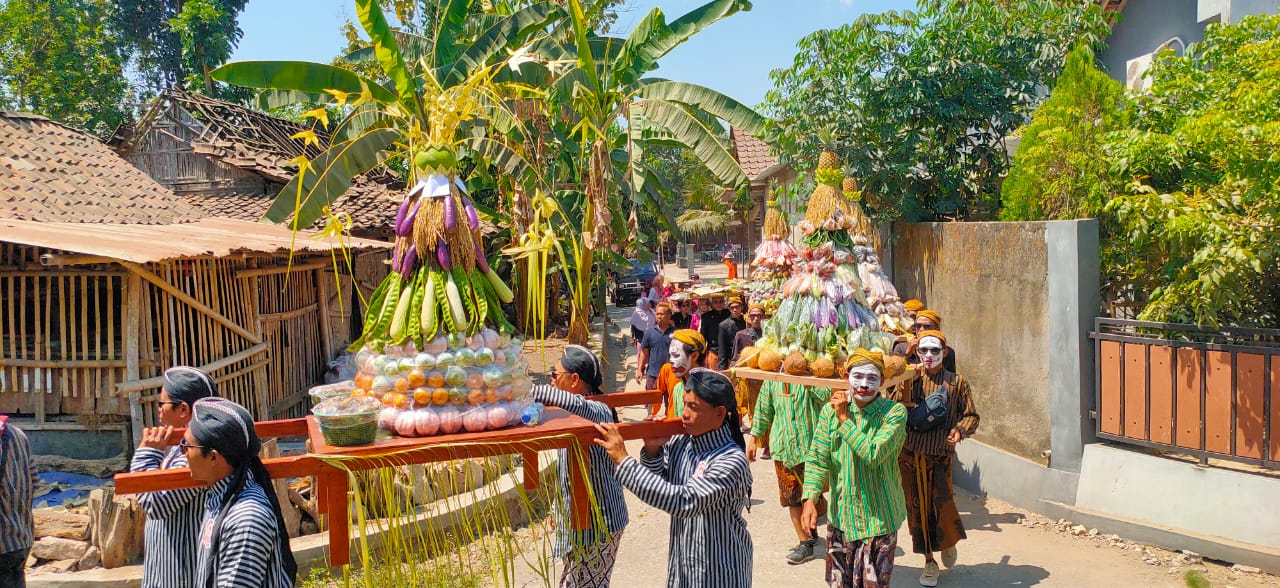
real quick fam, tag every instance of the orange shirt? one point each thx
(733, 269)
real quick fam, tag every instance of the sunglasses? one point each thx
(930, 351)
(183, 446)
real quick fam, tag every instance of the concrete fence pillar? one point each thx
(1074, 280)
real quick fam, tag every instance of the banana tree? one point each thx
(601, 81)
(392, 116)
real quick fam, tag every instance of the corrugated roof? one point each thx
(752, 153)
(52, 173)
(211, 237)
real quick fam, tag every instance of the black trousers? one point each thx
(12, 564)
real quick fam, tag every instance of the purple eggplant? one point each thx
(404, 227)
(409, 260)
(395, 258)
(450, 212)
(481, 262)
(401, 213)
(473, 219)
(442, 255)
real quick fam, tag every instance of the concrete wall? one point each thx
(1144, 26)
(989, 281)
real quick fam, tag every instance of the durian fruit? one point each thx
(826, 199)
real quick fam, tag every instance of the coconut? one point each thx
(795, 364)
(822, 367)
(769, 360)
(749, 357)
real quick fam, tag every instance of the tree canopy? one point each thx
(1200, 220)
(919, 104)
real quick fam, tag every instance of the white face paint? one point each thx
(864, 382)
(930, 351)
(678, 358)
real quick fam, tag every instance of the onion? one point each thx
(387, 418)
(426, 422)
(491, 338)
(498, 417)
(450, 420)
(406, 424)
(475, 420)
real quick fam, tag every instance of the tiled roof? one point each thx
(52, 173)
(752, 153)
(371, 204)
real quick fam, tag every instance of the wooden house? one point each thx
(108, 278)
(231, 161)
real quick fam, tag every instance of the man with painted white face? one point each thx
(940, 414)
(855, 447)
(688, 350)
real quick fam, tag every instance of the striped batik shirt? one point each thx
(248, 555)
(604, 484)
(859, 459)
(173, 522)
(962, 416)
(788, 413)
(17, 479)
(703, 483)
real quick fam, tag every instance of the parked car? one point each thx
(629, 285)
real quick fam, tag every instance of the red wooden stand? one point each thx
(559, 430)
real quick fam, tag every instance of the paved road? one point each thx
(999, 552)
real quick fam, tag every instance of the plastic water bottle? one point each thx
(532, 415)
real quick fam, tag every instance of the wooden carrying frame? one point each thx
(833, 383)
(559, 430)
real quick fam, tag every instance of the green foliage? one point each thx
(207, 32)
(61, 59)
(1195, 579)
(1201, 220)
(1059, 172)
(918, 104)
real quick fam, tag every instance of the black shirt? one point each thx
(728, 330)
(710, 329)
(681, 320)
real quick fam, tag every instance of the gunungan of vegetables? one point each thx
(440, 281)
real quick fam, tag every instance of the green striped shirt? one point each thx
(788, 414)
(860, 459)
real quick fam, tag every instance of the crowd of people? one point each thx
(868, 459)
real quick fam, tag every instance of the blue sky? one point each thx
(733, 56)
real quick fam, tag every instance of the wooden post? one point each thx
(132, 331)
(326, 323)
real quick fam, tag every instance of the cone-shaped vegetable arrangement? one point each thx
(882, 296)
(437, 349)
(823, 315)
(772, 264)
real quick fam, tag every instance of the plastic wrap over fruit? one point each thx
(452, 384)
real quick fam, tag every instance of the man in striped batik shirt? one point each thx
(855, 450)
(17, 528)
(173, 516)
(702, 479)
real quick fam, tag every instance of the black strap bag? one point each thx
(930, 413)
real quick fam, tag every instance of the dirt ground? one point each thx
(1006, 546)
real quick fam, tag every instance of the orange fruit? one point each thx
(440, 396)
(389, 399)
(421, 396)
(417, 379)
(402, 401)
(402, 385)
(490, 394)
(475, 396)
(435, 379)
